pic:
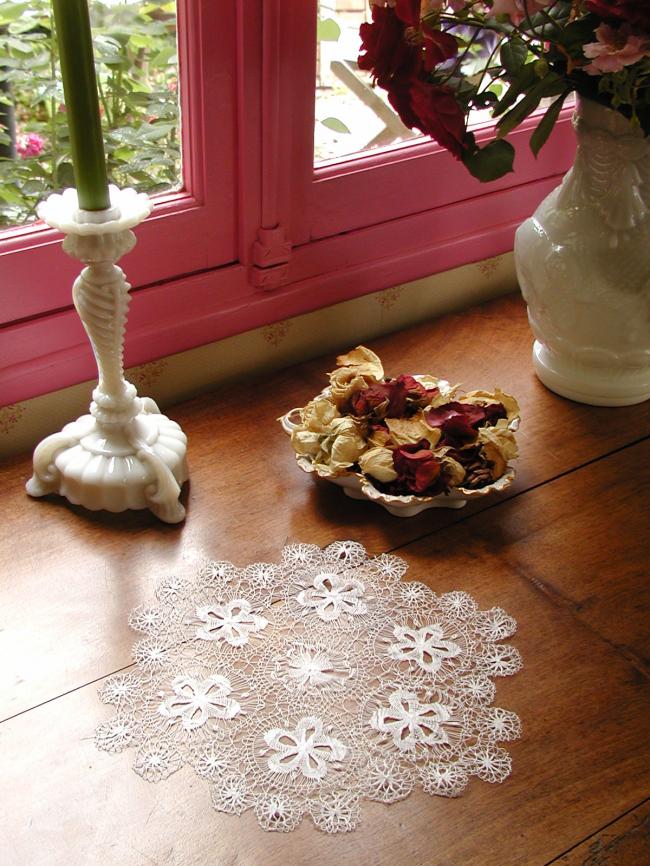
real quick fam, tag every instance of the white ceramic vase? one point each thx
(583, 262)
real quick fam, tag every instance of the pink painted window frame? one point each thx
(260, 235)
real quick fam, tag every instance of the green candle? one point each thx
(82, 105)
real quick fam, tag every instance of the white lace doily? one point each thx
(303, 687)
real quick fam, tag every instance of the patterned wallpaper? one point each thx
(172, 379)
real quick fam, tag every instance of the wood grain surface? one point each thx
(564, 550)
(625, 841)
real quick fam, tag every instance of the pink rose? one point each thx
(615, 49)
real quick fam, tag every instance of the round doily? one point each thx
(302, 687)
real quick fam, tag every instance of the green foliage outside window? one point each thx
(137, 70)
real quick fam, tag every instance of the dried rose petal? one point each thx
(456, 421)
(416, 466)
(494, 411)
(374, 399)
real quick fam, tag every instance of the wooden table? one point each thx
(564, 551)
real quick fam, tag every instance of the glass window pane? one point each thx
(137, 68)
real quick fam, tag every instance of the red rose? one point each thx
(399, 96)
(439, 115)
(400, 50)
(416, 466)
(385, 52)
(438, 47)
(408, 11)
(634, 12)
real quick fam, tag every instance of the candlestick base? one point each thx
(125, 454)
(115, 467)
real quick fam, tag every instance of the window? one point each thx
(258, 233)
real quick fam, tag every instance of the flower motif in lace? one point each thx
(308, 749)
(425, 646)
(233, 622)
(209, 762)
(149, 620)
(386, 780)
(332, 595)
(115, 735)
(446, 780)
(337, 814)
(218, 572)
(231, 794)
(120, 689)
(151, 654)
(301, 555)
(195, 701)
(411, 723)
(278, 812)
(157, 760)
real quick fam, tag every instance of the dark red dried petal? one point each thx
(494, 411)
(457, 431)
(416, 466)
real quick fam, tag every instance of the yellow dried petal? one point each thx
(347, 425)
(378, 463)
(364, 360)
(498, 445)
(407, 431)
(318, 415)
(446, 391)
(378, 437)
(306, 443)
(346, 450)
(347, 381)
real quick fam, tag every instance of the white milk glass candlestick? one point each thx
(124, 454)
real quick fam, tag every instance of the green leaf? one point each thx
(335, 124)
(328, 30)
(546, 124)
(139, 40)
(490, 162)
(551, 85)
(519, 85)
(167, 55)
(513, 53)
(11, 195)
(574, 35)
(10, 11)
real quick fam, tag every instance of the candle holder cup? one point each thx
(125, 454)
